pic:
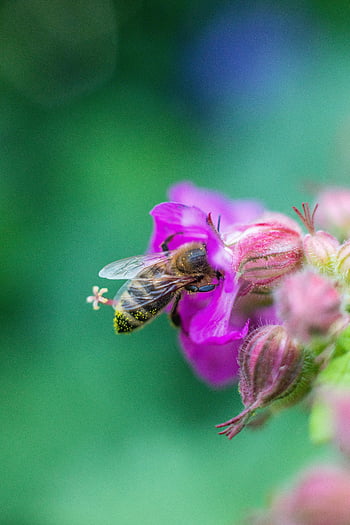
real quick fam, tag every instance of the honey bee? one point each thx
(157, 279)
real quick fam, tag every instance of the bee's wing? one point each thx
(131, 266)
(146, 291)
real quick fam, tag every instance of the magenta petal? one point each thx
(212, 323)
(219, 256)
(188, 222)
(230, 211)
(216, 364)
(178, 214)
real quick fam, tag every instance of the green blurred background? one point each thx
(103, 106)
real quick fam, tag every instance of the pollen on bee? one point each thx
(140, 315)
(122, 323)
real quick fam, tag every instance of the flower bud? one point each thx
(334, 212)
(309, 304)
(320, 250)
(342, 262)
(320, 247)
(266, 251)
(320, 497)
(272, 367)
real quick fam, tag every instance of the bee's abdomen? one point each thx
(123, 322)
(129, 315)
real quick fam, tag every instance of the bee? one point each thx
(157, 279)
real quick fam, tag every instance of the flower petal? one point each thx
(172, 218)
(213, 322)
(216, 364)
(229, 211)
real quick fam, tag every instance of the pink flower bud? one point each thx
(320, 497)
(342, 262)
(334, 211)
(320, 247)
(282, 219)
(309, 304)
(266, 251)
(272, 367)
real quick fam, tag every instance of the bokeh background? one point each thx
(104, 104)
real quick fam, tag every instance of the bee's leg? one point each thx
(164, 246)
(174, 314)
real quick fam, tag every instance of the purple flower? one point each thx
(211, 329)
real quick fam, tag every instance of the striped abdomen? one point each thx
(141, 300)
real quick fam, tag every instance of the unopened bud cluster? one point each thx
(308, 276)
(312, 304)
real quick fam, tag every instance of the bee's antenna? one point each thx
(219, 222)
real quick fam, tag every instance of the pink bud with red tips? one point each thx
(272, 367)
(319, 247)
(309, 304)
(265, 251)
(334, 212)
